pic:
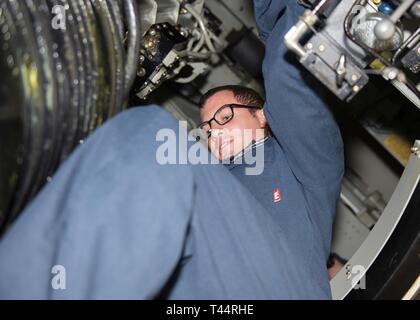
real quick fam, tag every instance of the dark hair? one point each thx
(243, 95)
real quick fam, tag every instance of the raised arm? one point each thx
(296, 112)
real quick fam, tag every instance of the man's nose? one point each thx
(219, 136)
(216, 134)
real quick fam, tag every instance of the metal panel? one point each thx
(348, 233)
(346, 280)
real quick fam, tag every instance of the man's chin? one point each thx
(221, 156)
(225, 156)
(227, 152)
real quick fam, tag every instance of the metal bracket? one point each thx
(364, 257)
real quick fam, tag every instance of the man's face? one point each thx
(231, 138)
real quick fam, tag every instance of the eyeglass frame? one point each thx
(229, 105)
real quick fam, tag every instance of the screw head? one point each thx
(392, 74)
(141, 72)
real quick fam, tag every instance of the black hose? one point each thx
(116, 24)
(133, 43)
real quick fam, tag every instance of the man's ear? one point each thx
(261, 118)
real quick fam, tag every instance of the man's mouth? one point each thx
(223, 146)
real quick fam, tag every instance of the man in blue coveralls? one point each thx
(303, 151)
(114, 223)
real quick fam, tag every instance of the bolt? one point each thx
(309, 46)
(354, 77)
(322, 48)
(416, 149)
(356, 88)
(148, 44)
(392, 74)
(141, 73)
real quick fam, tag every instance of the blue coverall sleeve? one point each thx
(109, 217)
(267, 12)
(295, 109)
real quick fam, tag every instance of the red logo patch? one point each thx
(276, 195)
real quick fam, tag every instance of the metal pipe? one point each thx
(405, 45)
(202, 26)
(306, 22)
(402, 8)
(320, 7)
(293, 36)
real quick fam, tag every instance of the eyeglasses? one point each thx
(222, 116)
